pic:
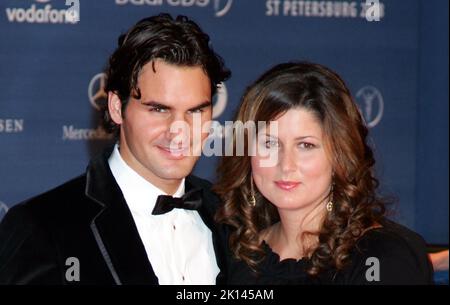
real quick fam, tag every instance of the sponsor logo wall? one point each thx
(52, 54)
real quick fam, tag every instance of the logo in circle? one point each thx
(96, 91)
(371, 105)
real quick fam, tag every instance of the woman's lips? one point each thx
(286, 185)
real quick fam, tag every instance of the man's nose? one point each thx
(178, 128)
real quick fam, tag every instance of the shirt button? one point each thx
(182, 277)
(174, 227)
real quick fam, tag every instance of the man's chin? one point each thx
(174, 176)
(170, 171)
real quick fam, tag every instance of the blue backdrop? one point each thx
(397, 68)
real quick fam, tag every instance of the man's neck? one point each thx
(169, 186)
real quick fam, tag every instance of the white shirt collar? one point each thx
(139, 194)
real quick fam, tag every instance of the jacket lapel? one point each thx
(114, 228)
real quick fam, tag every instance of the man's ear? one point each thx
(115, 107)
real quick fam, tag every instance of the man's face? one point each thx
(170, 96)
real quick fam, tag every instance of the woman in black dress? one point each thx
(300, 206)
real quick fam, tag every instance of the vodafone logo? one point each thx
(65, 12)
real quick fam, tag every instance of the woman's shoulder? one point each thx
(389, 254)
(391, 237)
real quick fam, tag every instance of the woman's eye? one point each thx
(271, 143)
(306, 145)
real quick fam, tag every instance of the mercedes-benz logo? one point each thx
(371, 105)
(220, 101)
(222, 10)
(96, 90)
(3, 210)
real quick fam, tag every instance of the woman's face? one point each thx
(300, 178)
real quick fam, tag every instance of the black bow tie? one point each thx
(191, 200)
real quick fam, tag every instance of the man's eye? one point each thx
(158, 109)
(200, 110)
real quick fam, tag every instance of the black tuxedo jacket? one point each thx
(86, 218)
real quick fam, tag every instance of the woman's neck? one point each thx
(286, 237)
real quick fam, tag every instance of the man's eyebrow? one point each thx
(202, 105)
(156, 105)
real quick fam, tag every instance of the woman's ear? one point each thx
(115, 107)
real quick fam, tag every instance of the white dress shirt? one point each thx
(178, 243)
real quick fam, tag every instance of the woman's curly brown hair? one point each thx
(356, 208)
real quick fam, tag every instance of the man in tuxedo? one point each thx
(137, 216)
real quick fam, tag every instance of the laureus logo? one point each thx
(371, 105)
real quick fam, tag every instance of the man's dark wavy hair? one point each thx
(178, 41)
